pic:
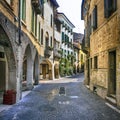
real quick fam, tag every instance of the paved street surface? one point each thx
(67, 99)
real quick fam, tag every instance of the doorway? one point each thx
(112, 73)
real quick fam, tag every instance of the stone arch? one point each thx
(46, 70)
(27, 82)
(7, 61)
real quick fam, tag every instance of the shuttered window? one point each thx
(23, 6)
(39, 32)
(94, 18)
(63, 37)
(109, 7)
(32, 21)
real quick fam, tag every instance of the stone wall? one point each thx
(104, 39)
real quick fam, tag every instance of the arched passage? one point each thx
(7, 63)
(46, 70)
(27, 82)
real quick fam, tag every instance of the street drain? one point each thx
(47, 108)
(62, 91)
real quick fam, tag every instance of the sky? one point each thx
(72, 10)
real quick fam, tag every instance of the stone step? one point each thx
(111, 100)
(88, 86)
(113, 96)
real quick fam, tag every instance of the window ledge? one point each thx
(33, 36)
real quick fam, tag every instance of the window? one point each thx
(109, 7)
(41, 36)
(42, 12)
(91, 63)
(95, 62)
(34, 22)
(39, 32)
(94, 19)
(2, 55)
(23, 13)
(51, 19)
(63, 36)
(51, 41)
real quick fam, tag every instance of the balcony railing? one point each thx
(48, 52)
(57, 54)
(37, 5)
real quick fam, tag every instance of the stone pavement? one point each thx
(73, 102)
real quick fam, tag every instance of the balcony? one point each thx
(37, 5)
(48, 52)
(57, 54)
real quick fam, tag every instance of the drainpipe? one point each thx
(19, 23)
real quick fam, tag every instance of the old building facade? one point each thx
(66, 41)
(24, 37)
(79, 53)
(102, 42)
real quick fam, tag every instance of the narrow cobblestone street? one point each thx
(66, 99)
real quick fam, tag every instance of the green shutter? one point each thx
(23, 10)
(39, 31)
(63, 37)
(32, 21)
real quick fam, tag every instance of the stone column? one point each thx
(29, 72)
(19, 74)
(36, 72)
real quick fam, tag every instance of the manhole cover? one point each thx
(62, 91)
(47, 108)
